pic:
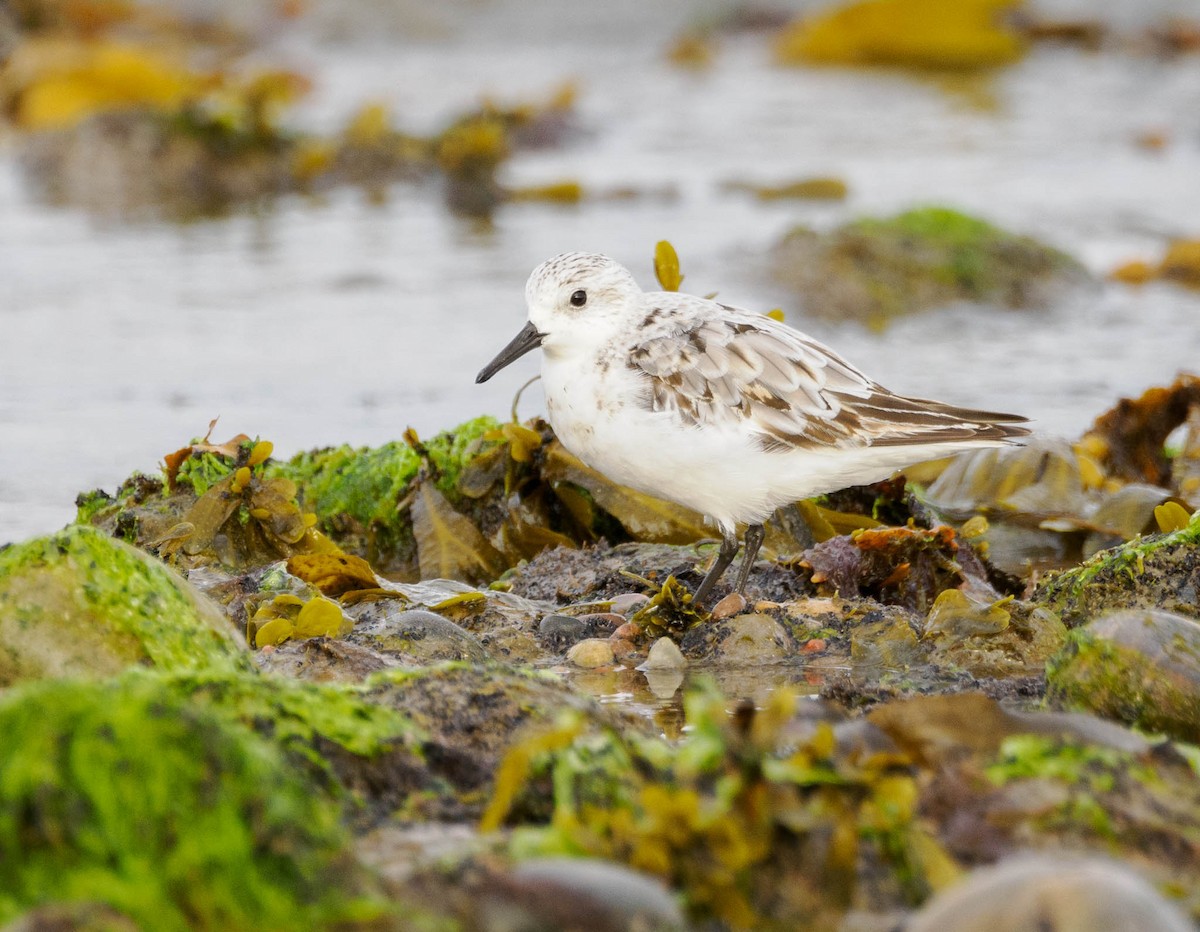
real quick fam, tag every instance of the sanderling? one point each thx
(723, 410)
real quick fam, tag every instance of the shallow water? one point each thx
(334, 320)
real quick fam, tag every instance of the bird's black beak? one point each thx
(529, 338)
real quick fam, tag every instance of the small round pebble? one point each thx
(591, 653)
(732, 604)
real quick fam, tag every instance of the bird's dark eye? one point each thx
(579, 298)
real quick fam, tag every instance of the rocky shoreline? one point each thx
(886, 714)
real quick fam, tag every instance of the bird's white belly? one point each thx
(719, 470)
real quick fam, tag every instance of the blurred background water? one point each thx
(339, 318)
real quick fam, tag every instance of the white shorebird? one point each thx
(723, 410)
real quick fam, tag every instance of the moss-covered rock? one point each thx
(1159, 571)
(1140, 666)
(874, 269)
(130, 795)
(81, 603)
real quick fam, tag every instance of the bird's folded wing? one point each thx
(789, 391)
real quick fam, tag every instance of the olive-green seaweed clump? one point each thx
(749, 827)
(878, 268)
(81, 602)
(126, 794)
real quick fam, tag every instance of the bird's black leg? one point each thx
(754, 539)
(729, 548)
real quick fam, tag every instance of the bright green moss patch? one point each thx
(204, 470)
(127, 794)
(81, 603)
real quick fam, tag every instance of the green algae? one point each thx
(355, 492)
(1159, 570)
(203, 470)
(878, 268)
(80, 602)
(301, 716)
(127, 794)
(1036, 756)
(90, 504)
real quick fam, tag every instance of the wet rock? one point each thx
(504, 624)
(398, 851)
(80, 603)
(1039, 893)
(411, 636)
(876, 269)
(591, 653)
(886, 638)
(1138, 666)
(628, 603)
(746, 640)
(996, 639)
(624, 649)
(559, 632)
(323, 660)
(598, 573)
(1160, 571)
(602, 624)
(664, 655)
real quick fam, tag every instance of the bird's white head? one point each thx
(578, 292)
(575, 300)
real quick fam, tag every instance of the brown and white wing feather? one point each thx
(793, 391)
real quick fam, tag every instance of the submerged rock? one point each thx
(411, 636)
(80, 603)
(1141, 666)
(877, 269)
